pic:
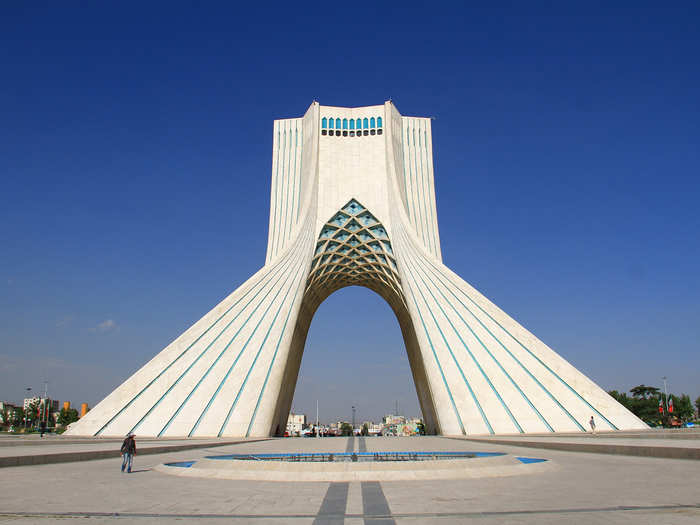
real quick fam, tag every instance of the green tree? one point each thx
(623, 399)
(346, 429)
(645, 400)
(697, 404)
(421, 428)
(644, 403)
(67, 416)
(682, 407)
(17, 415)
(365, 430)
(32, 413)
(645, 392)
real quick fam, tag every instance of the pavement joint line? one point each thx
(335, 502)
(362, 445)
(350, 447)
(596, 448)
(375, 507)
(88, 455)
(475, 514)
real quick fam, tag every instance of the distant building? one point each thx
(374, 429)
(53, 403)
(392, 419)
(296, 423)
(394, 425)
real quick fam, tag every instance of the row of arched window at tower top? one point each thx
(363, 126)
(365, 123)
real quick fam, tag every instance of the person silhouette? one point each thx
(128, 451)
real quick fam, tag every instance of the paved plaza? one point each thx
(577, 487)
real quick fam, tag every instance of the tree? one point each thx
(644, 403)
(32, 413)
(645, 392)
(365, 430)
(682, 407)
(346, 429)
(697, 404)
(17, 415)
(67, 416)
(623, 399)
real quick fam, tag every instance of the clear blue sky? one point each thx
(135, 154)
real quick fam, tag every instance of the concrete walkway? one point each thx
(22, 450)
(584, 488)
(685, 445)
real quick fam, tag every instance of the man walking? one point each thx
(592, 423)
(128, 450)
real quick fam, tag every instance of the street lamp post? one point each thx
(666, 393)
(28, 389)
(353, 420)
(45, 415)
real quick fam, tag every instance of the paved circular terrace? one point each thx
(358, 466)
(576, 487)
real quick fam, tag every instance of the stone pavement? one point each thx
(673, 444)
(583, 488)
(31, 449)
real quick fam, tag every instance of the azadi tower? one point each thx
(353, 204)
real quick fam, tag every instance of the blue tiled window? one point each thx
(364, 126)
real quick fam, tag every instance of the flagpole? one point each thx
(46, 402)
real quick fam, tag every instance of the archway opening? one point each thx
(355, 357)
(353, 249)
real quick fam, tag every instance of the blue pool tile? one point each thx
(530, 460)
(183, 464)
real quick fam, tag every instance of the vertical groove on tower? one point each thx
(421, 269)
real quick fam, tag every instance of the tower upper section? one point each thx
(333, 154)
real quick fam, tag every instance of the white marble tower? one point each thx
(353, 203)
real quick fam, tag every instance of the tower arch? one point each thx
(353, 249)
(358, 212)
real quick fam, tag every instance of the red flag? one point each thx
(670, 405)
(661, 406)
